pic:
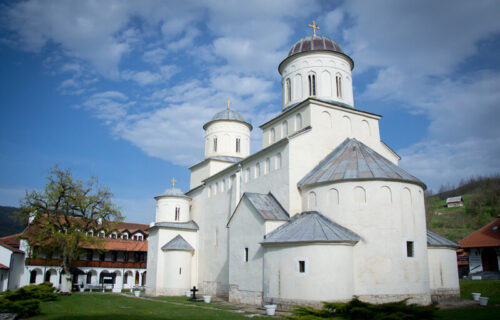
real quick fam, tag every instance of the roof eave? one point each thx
(351, 62)
(235, 120)
(301, 186)
(282, 243)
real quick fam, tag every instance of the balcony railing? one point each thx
(89, 264)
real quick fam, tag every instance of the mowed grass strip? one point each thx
(487, 288)
(110, 307)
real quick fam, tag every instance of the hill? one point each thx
(8, 222)
(481, 198)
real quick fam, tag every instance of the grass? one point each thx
(487, 288)
(184, 300)
(80, 306)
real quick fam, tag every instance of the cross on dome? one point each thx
(173, 182)
(314, 27)
(228, 103)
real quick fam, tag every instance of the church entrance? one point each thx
(489, 259)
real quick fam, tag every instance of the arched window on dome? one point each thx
(288, 90)
(338, 81)
(298, 121)
(312, 84)
(215, 144)
(238, 145)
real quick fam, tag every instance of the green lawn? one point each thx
(487, 288)
(97, 306)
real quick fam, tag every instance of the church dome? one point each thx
(230, 115)
(317, 43)
(173, 192)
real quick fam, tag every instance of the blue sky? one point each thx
(121, 89)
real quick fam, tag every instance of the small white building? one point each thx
(454, 202)
(321, 213)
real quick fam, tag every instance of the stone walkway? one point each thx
(250, 311)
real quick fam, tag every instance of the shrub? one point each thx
(25, 301)
(358, 310)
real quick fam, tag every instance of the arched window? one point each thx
(273, 135)
(311, 202)
(288, 90)
(338, 81)
(284, 129)
(177, 213)
(247, 174)
(257, 170)
(215, 144)
(312, 84)
(298, 121)
(267, 166)
(278, 161)
(222, 185)
(238, 145)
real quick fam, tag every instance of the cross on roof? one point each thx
(228, 103)
(314, 27)
(173, 182)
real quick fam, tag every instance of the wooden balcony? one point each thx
(89, 264)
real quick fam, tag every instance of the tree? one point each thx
(66, 214)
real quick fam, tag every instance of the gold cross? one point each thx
(173, 182)
(314, 27)
(228, 103)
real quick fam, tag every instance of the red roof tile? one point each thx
(120, 245)
(10, 248)
(4, 267)
(487, 236)
(12, 240)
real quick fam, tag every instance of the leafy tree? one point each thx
(66, 214)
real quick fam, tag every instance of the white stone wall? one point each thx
(443, 272)
(328, 273)
(246, 230)
(206, 169)
(385, 215)
(325, 66)
(166, 206)
(226, 133)
(177, 270)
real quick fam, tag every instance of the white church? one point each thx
(321, 213)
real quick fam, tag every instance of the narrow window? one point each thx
(246, 254)
(302, 266)
(247, 174)
(222, 185)
(298, 121)
(177, 213)
(267, 166)
(215, 144)
(238, 147)
(312, 85)
(409, 249)
(284, 129)
(273, 135)
(288, 91)
(278, 161)
(338, 80)
(257, 170)
(180, 270)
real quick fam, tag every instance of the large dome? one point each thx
(230, 115)
(317, 43)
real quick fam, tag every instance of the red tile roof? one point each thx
(487, 236)
(12, 240)
(4, 267)
(120, 245)
(10, 248)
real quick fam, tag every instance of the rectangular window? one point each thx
(180, 270)
(177, 213)
(238, 148)
(215, 144)
(409, 249)
(302, 266)
(246, 254)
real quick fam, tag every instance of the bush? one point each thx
(358, 310)
(25, 301)
(23, 308)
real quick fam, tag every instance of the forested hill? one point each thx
(481, 204)
(8, 222)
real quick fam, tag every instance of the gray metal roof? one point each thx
(178, 243)
(267, 205)
(353, 160)
(190, 225)
(435, 240)
(314, 44)
(172, 192)
(228, 115)
(311, 226)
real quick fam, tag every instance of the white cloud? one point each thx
(109, 106)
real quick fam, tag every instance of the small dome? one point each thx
(228, 115)
(173, 192)
(318, 43)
